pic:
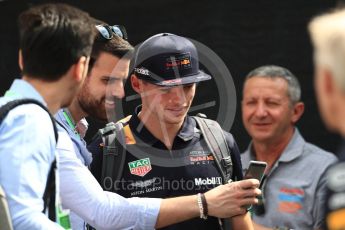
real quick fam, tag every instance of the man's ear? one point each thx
(20, 60)
(135, 82)
(81, 68)
(298, 110)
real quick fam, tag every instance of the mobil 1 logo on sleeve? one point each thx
(140, 167)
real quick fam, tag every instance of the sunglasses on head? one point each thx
(108, 32)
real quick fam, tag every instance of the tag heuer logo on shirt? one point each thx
(140, 167)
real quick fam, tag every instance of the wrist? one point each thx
(202, 204)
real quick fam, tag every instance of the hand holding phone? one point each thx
(255, 170)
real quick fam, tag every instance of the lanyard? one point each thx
(68, 118)
(10, 93)
(70, 121)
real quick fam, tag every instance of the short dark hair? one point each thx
(52, 38)
(116, 46)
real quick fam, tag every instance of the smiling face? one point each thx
(267, 112)
(103, 85)
(168, 105)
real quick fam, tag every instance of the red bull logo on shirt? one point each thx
(140, 167)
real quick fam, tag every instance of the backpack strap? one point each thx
(216, 141)
(49, 192)
(114, 154)
(6, 108)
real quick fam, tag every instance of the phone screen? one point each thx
(256, 170)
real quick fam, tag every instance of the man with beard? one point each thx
(81, 193)
(328, 37)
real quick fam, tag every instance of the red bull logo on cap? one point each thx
(181, 61)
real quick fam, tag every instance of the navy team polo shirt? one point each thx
(151, 170)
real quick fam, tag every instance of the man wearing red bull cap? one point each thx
(166, 154)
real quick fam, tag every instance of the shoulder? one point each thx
(228, 136)
(64, 142)
(318, 155)
(235, 156)
(24, 110)
(29, 116)
(231, 142)
(230, 139)
(28, 131)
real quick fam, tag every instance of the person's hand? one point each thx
(231, 199)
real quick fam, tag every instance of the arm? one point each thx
(26, 152)
(174, 210)
(223, 201)
(81, 193)
(242, 222)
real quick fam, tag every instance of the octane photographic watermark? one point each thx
(220, 97)
(161, 183)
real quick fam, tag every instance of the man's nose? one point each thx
(261, 110)
(178, 95)
(118, 90)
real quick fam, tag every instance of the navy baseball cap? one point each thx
(168, 60)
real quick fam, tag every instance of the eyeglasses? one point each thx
(108, 32)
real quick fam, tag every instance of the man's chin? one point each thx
(261, 136)
(174, 121)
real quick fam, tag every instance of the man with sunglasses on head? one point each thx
(293, 190)
(77, 183)
(161, 140)
(81, 193)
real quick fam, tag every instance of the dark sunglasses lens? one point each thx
(104, 32)
(117, 31)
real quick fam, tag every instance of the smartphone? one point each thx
(255, 170)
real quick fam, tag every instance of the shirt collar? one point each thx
(292, 151)
(188, 129)
(186, 133)
(23, 89)
(77, 140)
